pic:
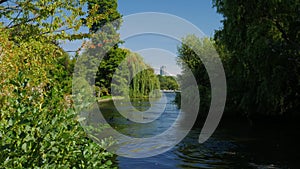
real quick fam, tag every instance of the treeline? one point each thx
(168, 82)
(259, 45)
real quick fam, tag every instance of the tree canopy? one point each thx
(262, 46)
(168, 83)
(190, 51)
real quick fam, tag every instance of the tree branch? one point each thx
(14, 19)
(284, 34)
(29, 20)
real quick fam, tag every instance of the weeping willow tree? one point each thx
(134, 78)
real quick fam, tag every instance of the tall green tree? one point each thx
(108, 66)
(108, 25)
(190, 51)
(262, 45)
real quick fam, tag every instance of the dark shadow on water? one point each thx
(235, 144)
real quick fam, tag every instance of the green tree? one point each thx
(168, 83)
(108, 67)
(107, 9)
(135, 78)
(261, 41)
(190, 51)
(107, 38)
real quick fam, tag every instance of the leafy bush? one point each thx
(37, 128)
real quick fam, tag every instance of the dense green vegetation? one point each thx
(190, 61)
(124, 71)
(135, 79)
(259, 47)
(168, 83)
(38, 125)
(107, 9)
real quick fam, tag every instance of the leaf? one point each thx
(24, 147)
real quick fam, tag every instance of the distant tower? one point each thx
(163, 71)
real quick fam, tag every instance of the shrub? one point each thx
(37, 129)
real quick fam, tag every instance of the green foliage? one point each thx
(168, 83)
(144, 82)
(135, 78)
(261, 46)
(102, 49)
(51, 19)
(106, 8)
(189, 54)
(103, 46)
(108, 66)
(38, 127)
(116, 67)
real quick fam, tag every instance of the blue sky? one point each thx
(198, 12)
(158, 50)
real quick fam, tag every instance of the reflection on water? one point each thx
(233, 145)
(162, 116)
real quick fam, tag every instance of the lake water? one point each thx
(233, 145)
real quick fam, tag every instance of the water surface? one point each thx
(233, 145)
